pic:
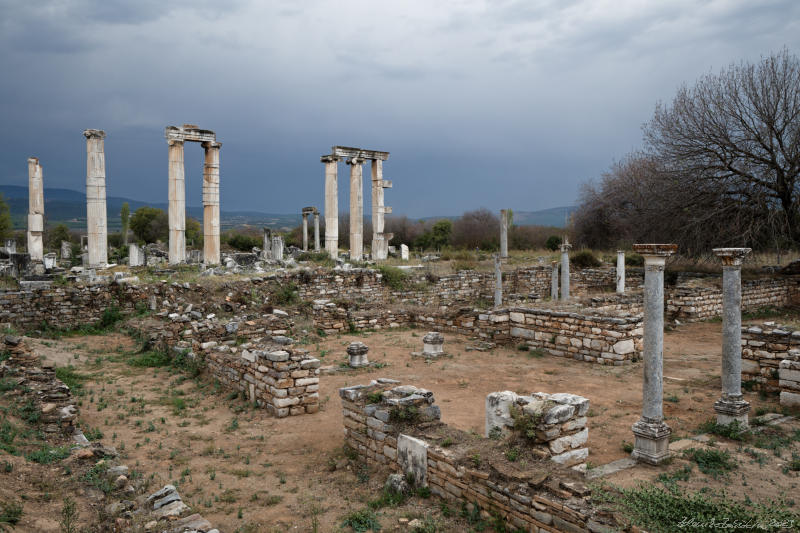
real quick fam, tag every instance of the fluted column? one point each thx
(356, 209)
(651, 433)
(316, 230)
(565, 248)
(305, 230)
(331, 206)
(731, 407)
(380, 239)
(96, 224)
(177, 203)
(35, 210)
(504, 233)
(620, 271)
(211, 248)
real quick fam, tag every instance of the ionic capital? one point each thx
(355, 161)
(99, 134)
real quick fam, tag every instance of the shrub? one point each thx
(584, 259)
(243, 243)
(393, 277)
(363, 520)
(47, 454)
(285, 295)
(10, 513)
(150, 359)
(634, 259)
(553, 242)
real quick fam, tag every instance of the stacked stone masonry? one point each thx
(539, 502)
(770, 355)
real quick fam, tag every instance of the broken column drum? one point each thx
(357, 351)
(433, 344)
(503, 233)
(620, 272)
(731, 407)
(355, 157)
(176, 136)
(651, 434)
(35, 210)
(565, 248)
(554, 281)
(66, 249)
(277, 248)
(96, 224)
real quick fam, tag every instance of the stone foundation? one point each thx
(763, 349)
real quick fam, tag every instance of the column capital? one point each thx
(566, 247)
(731, 256)
(655, 250)
(355, 160)
(173, 142)
(328, 159)
(211, 144)
(99, 134)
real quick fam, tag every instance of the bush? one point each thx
(634, 259)
(393, 277)
(243, 243)
(553, 242)
(285, 295)
(584, 259)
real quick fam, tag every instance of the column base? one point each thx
(730, 410)
(651, 442)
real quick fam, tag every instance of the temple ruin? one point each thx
(176, 136)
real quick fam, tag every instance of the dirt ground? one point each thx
(245, 471)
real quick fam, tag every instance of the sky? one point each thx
(496, 104)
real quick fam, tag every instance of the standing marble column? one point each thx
(498, 282)
(651, 433)
(380, 240)
(554, 281)
(331, 205)
(305, 230)
(35, 210)
(316, 229)
(266, 251)
(177, 203)
(503, 233)
(565, 248)
(620, 271)
(356, 209)
(731, 407)
(96, 226)
(211, 248)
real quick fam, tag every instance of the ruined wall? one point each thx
(789, 379)
(551, 497)
(763, 349)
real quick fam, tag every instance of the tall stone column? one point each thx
(651, 433)
(266, 251)
(731, 407)
(620, 271)
(356, 209)
(96, 226)
(305, 231)
(503, 233)
(211, 248)
(177, 203)
(316, 230)
(498, 282)
(380, 240)
(331, 206)
(35, 210)
(565, 248)
(554, 281)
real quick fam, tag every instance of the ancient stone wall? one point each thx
(541, 496)
(763, 349)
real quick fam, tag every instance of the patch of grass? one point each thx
(678, 475)
(363, 520)
(97, 477)
(405, 413)
(92, 433)
(393, 277)
(388, 498)
(10, 513)
(714, 463)
(71, 379)
(733, 431)
(286, 294)
(48, 454)
(375, 397)
(150, 359)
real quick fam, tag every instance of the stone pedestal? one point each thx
(432, 345)
(554, 281)
(50, 261)
(35, 210)
(331, 206)
(356, 209)
(358, 354)
(135, 256)
(565, 248)
(731, 407)
(498, 282)
(620, 272)
(503, 233)
(211, 247)
(404, 252)
(96, 224)
(651, 444)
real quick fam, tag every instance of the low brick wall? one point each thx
(763, 349)
(284, 381)
(539, 496)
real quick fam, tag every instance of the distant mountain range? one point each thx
(69, 207)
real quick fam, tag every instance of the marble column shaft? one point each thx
(177, 203)
(565, 248)
(35, 210)
(316, 230)
(503, 233)
(305, 232)
(498, 282)
(380, 242)
(356, 209)
(211, 223)
(96, 223)
(331, 206)
(620, 272)
(554, 281)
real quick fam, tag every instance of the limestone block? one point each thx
(498, 411)
(569, 442)
(572, 457)
(412, 454)
(624, 347)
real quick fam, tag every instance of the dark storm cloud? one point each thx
(500, 104)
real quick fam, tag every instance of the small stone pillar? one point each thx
(211, 229)
(49, 261)
(316, 229)
(565, 248)
(404, 252)
(11, 246)
(433, 344)
(651, 434)
(96, 224)
(731, 407)
(503, 233)
(620, 271)
(358, 354)
(66, 250)
(277, 248)
(356, 208)
(498, 282)
(135, 255)
(35, 210)
(266, 252)
(177, 203)
(331, 205)
(554, 281)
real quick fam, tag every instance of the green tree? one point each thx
(553, 242)
(150, 224)
(58, 234)
(125, 216)
(441, 232)
(194, 233)
(5, 220)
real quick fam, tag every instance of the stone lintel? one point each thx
(189, 132)
(657, 250)
(94, 133)
(731, 256)
(308, 211)
(348, 151)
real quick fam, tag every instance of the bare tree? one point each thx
(732, 141)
